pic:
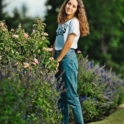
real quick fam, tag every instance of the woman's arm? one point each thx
(66, 47)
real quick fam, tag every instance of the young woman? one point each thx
(72, 22)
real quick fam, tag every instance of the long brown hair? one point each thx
(80, 15)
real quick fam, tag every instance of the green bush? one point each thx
(28, 96)
(89, 110)
(101, 91)
(27, 86)
(11, 107)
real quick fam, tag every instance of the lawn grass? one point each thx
(115, 118)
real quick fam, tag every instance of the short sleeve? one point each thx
(74, 27)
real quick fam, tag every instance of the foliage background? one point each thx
(104, 45)
(106, 20)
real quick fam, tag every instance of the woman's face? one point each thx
(71, 7)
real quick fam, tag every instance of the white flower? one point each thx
(4, 29)
(19, 26)
(12, 30)
(51, 58)
(15, 36)
(47, 49)
(44, 24)
(34, 24)
(50, 49)
(44, 48)
(43, 38)
(44, 34)
(34, 31)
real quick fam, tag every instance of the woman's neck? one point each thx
(70, 17)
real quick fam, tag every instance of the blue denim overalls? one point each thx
(69, 67)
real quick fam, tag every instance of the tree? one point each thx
(51, 18)
(2, 6)
(1, 9)
(17, 18)
(106, 21)
(24, 10)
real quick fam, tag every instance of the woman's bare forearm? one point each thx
(66, 47)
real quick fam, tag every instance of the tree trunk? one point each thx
(104, 47)
(1, 9)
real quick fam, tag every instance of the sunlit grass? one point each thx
(115, 118)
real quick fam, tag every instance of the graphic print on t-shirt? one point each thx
(61, 30)
(61, 34)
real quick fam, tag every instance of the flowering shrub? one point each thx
(17, 45)
(27, 85)
(100, 90)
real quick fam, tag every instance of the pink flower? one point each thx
(1, 24)
(78, 52)
(36, 61)
(26, 36)
(26, 65)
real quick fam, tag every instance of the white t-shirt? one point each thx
(63, 30)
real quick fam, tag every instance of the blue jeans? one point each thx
(69, 69)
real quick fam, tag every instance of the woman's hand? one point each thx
(57, 68)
